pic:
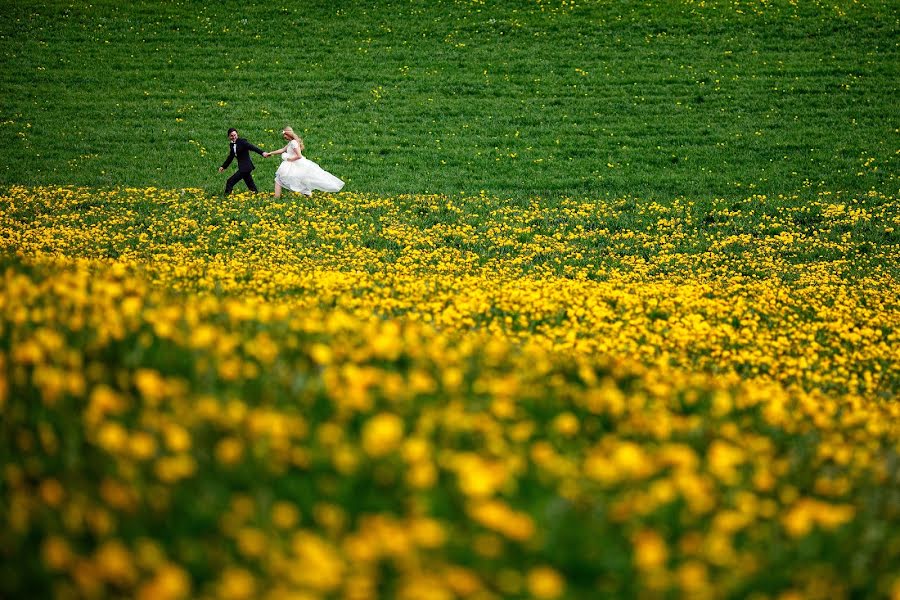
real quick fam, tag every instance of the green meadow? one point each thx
(656, 99)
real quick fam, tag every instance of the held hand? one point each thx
(221, 169)
(266, 155)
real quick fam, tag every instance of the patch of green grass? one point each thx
(651, 100)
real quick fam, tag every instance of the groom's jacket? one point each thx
(241, 148)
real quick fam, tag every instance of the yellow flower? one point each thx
(421, 475)
(388, 342)
(831, 516)
(203, 336)
(416, 449)
(285, 515)
(87, 577)
(382, 434)
(692, 576)
(56, 552)
(318, 565)
(427, 533)
(237, 584)
(321, 354)
(464, 582)
(545, 582)
(650, 550)
(52, 492)
(177, 437)
(566, 424)
(345, 459)
(142, 445)
(421, 586)
(115, 563)
(251, 542)
(115, 494)
(808, 512)
(229, 451)
(103, 401)
(131, 306)
(262, 348)
(631, 460)
(230, 368)
(112, 437)
(479, 477)
(173, 468)
(724, 459)
(496, 515)
(171, 582)
(150, 384)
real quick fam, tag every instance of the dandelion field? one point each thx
(353, 396)
(607, 309)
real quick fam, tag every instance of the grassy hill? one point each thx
(644, 99)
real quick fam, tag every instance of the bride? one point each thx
(299, 174)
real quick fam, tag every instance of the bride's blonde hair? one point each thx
(290, 133)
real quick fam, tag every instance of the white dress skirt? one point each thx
(303, 175)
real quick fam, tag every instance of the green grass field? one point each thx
(642, 99)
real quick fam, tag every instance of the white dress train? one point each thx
(303, 175)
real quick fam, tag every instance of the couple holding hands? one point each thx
(296, 172)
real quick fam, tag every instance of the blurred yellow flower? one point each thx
(650, 551)
(56, 553)
(318, 566)
(115, 563)
(545, 582)
(382, 434)
(170, 469)
(237, 583)
(112, 437)
(498, 516)
(566, 424)
(421, 475)
(320, 353)
(142, 445)
(693, 577)
(427, 532)
(285, 515)
(229, 451)
(806, 513)
(479, 477)
(52, 492)
(251, 542)
(724, 459)
(150, 384)
(177, 437)
(170, 582)
(103, 401)
(203, 336)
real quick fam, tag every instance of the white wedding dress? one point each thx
(303, 175)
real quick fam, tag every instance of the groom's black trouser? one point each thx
(247, 176)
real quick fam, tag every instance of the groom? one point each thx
(240, 148)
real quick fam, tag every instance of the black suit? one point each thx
(241, 149)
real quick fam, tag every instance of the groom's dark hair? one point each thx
(230, 129)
